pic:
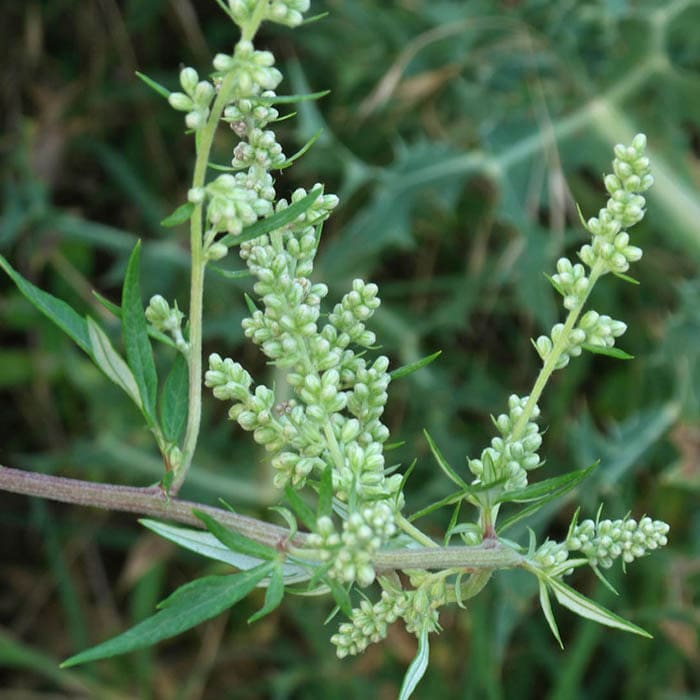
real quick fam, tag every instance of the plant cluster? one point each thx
(328, 441)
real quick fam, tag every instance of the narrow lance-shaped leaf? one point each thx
(56, 310)
(173, 400)
(156, 87)
(139, 353)
(235, 541)
(609, 352)
(111, 362)
(418, 666)
(591, 610)
(325, 493)
(275, 221)
(300, 508)
(191, 604)
(273, 595)
(546, 606)
(443, 464)
(414, 366)
(179, 216)
(561, 484)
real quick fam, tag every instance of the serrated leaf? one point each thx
(206, 545)
(139, 353)
(325, 493)
(111, 362)
(610, 352)
(56, 310)
(418, 666)
(235, 541)
(443, 464)
(300, 508)
(275, 221)
(541, 489)
(191, 604)
(173, 400)
(182, 214)
(585, 607)
(546, 606)
(157, 87)
(414, 366)
(273, 595)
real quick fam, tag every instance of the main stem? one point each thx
(152, 502)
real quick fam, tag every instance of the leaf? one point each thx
(340, 595)
(275, 221)
(206, 545)
(554, 284)
(235, 541)
(107, 304)
(610, 352)
(191, 604)
(273, 595)
(292, 99)
(418, 666)
(546, 606)
(587, 608)
(252, 308)
(626, 278)
(111, 362)
(230, 274)
(139, 353)
(182, 214)
(157, 87)
(173, 400)
(325, 493)
(414, 366)
(300, 508)
(541, 489)
(56, 310)
(300, 152)
(443, 464)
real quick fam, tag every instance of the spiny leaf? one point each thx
(139, 353)
(414, 366)
(191, 604)
(235, 541)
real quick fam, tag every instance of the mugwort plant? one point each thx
(347, 533)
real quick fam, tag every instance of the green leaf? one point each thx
(275, 221)
(546, 606)
(235, 541)
(252, 308)
(107, 304)
(418, 666)
(230, 274)
(188, 606)
(443, 464)
(626, 278)
(179, 216)
(139, 353)
(206, 545)
(292, 99)
(340, 595)
(300, 152)
(541, 489)
(554, 284)
(325, 493)
(591, 610)
(111, 362)
(610, 352)
(300, 508)
(414, 366)
(456, 497)
(173, 400)
(56, 310)
(157, 87)
(273, 595)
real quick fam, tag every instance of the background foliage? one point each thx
(458, 135)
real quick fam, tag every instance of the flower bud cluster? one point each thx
(603, 542)
(509, 458)
(552, 557)
(288, 12)
(625, 207)
(260, 149)
(572, 282)
(166, 319)
(195, 100)
(369, 623)
(354, 309)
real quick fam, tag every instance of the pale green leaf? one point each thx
(418, 666)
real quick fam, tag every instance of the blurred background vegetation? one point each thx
(459, 135)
